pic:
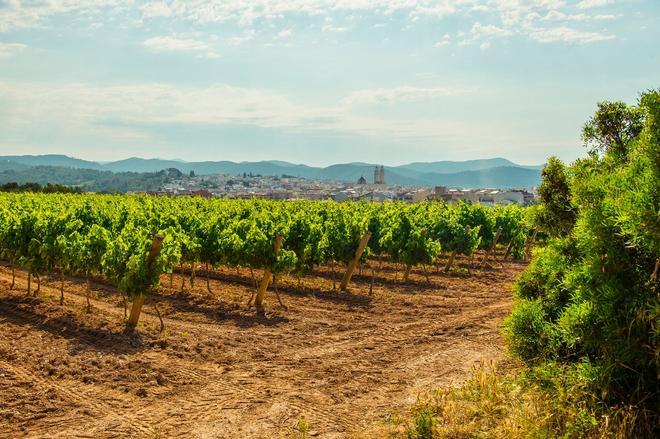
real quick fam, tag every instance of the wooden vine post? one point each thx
(450, 261)
(265, 280)
(508, 250)
(492, 246)
(530, 243)
(156, 246)
(351, 265)
(406, 273)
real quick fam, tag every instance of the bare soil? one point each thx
(341, 361)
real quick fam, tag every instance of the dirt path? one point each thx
(340, 360)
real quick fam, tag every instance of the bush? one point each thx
(529, 332)
(587, 309)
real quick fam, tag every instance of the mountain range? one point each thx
(495, 172)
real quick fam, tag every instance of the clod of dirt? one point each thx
(142, 392)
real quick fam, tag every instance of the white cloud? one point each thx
(402, 94)
(10, 49)
(445, 41)
(16, 14)
(490, 30)
(248, 35)
(516, 17)
(208, 55)
(332, 28)
(156, 9)
(484, 33)
(588, 4)
(175, 44)
(123, 112)
(567, 35)
(560, 16)
(555, 15)
(601, 17)
(285, 33)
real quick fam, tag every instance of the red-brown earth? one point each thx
(341, 361)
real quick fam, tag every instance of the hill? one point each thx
(51, 160)
(89, 179)
(495, 172)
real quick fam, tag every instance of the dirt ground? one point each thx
(341, 361)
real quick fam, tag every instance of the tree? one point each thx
(556, 216)
(612, 128)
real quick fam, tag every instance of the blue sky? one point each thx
(317, 81)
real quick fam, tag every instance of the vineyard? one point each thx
(132, 240)
(375, 302)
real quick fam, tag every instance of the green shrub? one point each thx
(587, 311)
(530, 334)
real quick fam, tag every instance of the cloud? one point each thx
(156, 9)
(137, 111)
(402, 94)
(485, 33)
(175, 44)
(588, 4)
(560, 16)
(248, 35)
(332, 28)
(445, 41)
(567, 35)
(490, 30)
(8, 50)
(20, 14)
(516, 17)
(601, 17)
(285, 33)
(208, 55)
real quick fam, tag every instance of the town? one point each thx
(288, 187)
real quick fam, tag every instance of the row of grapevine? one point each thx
(114, 236)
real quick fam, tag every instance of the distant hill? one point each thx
(495, 172)
(91, 180)
(51, 160)
(6, 165)
(500, 177)
(451, 167)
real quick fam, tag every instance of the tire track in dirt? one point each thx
(88, 400)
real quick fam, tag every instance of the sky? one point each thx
(317, 81)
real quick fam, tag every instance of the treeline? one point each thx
(90, 180)
(48, 188)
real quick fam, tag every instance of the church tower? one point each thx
(379, 175)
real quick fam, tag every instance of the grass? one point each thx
(300, 430)
(494, 404)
